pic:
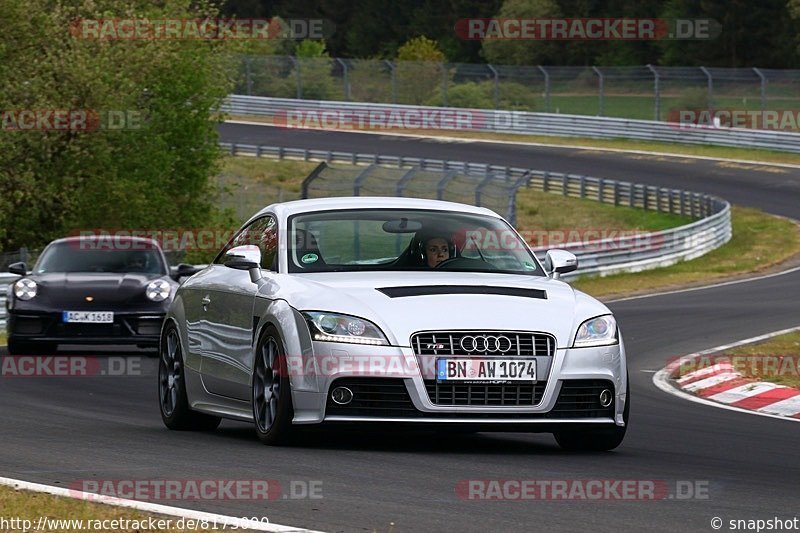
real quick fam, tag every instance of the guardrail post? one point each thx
(616, 193)
(546, 182)
(646, 197)
(671, 201)
(658, 199)
(546, 88)
(601, 91)
(763, 90)
(600, 187)
(631, 195)
(582, 183)
(496, 88)
(657, 91)
(683, 203)
(565, 185)
(346, 83)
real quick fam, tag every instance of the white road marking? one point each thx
(146, 506)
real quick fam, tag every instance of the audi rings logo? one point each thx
(485, 343)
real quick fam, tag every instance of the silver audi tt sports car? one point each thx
(394, 311)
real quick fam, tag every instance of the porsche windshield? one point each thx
(395, 239)
(72, 256)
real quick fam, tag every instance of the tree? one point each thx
(420, 67)
(154, 172)
(523, 52)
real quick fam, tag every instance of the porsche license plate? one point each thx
(88, 317)
(457, 369)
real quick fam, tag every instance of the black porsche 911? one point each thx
(84, 291)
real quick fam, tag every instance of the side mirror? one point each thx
(559, 262)
(20, 268)
(184, 270)
(245, 257)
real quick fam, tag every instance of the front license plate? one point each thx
(486, 369)
(88, 317)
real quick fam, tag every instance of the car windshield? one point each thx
(395, 239)
(79, 256)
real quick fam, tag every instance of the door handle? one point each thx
(205, 301)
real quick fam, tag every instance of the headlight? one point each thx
(158, 290)
(600, 331)
(25, 289)
(333, 327)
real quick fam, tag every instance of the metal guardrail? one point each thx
(297, 113)
(631, 253)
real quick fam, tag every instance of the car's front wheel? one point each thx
(272, 398)
(172, 399)
(597, 440)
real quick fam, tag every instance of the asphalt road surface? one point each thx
(61, 430)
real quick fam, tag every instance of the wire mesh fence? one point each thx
(636, 92)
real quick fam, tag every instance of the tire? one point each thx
(172, 400)
(271, 391)
(597, 440)
(30, 348)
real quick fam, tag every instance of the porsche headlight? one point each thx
(158, 290)
(333, 327)
(600, 331)
(25, 289)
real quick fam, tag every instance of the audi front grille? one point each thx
(484, 344)
(501, 343)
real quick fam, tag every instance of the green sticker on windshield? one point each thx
(309, 258)
(529, 265)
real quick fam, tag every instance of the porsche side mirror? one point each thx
(559, 262)
(19, 268)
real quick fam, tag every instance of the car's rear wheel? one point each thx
(272, 397)
(597, 440)
(172, 399)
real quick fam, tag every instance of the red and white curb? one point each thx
(721, 385)
(154, 508)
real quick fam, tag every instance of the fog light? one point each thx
(341, 395)
(606, 397)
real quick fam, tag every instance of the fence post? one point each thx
(299, 88)
(496, 89)
(601, 90)
(444, 84)
(546, 89)
(248, 78)
(346, 83)
(657, 91)
(710, 87)
(763, 90)
(393, 79)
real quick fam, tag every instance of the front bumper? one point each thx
(392, 388)
(140, 328)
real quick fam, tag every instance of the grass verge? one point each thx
(3, 339)
(722, 152)
(68, 514)
(775, 360)
(759, 241)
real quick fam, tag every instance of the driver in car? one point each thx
(437, 249)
